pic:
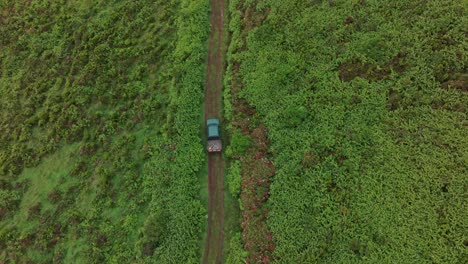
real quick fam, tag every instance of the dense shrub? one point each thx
(100, 146)
(365, 114)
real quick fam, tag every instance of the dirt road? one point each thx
(213, 91)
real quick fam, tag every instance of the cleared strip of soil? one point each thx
(213, 91)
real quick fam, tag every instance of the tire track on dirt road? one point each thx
(213, 91)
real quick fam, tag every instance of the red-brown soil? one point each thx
(213, 91)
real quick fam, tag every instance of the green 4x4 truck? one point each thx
(214, 139)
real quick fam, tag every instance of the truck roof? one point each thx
(213, 127)
(213, 131)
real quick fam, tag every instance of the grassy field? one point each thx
(99, 142)
(364, 104)
(346, 120)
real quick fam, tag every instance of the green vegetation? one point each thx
(365, 106)
(99, 143)
(236, 252)
(347, 123)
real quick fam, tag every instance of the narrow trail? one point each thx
(213, 91)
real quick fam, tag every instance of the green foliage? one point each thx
(152, 234)
(234, 178)
(294, 116)
(100, 146)
(238, 145)
(365, 109)
(8, 201)
(236, 251)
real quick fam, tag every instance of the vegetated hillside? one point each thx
(99, 144)
(364, 105)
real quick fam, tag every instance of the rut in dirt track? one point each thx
(213, 90)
